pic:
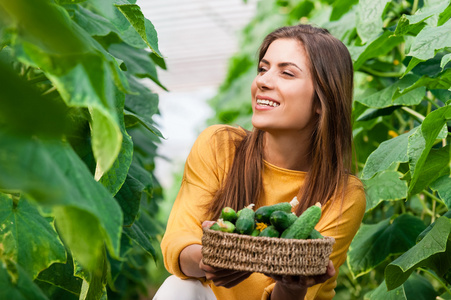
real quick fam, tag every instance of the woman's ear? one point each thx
(318, 110)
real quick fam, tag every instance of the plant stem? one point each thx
(436, 278)
(37, 79)
(413, 113)
(381, 74)
(433, 197)
(425, 208)
(414, 7)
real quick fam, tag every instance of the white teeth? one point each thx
(267, 103)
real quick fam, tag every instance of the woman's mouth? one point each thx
(264, 102)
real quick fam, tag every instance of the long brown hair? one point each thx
(332, 74)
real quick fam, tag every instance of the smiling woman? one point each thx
(300, 146)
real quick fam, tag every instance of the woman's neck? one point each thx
(287, 150)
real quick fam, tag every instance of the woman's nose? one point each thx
(265, 80)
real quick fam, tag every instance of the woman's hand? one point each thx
(222, 277)
(295, 287)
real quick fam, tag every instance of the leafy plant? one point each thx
(77, 148)
(402, 120)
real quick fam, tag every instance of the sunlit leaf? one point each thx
(369, 23)
(385, 186)
(376, 242)
(432, 251)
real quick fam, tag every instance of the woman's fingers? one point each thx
(207, 224)
(223, 277)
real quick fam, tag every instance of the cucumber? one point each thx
(215, 226)
(226, 226)
(282, 220)
(256, 232)
(245, 223)
(263, 213)
(306, 222)
(315, 235)
(270, 231)
(228, 214)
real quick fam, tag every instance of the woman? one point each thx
(301, 146)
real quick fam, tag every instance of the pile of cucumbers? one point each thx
(275, 220)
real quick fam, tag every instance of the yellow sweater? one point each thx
(206, 167)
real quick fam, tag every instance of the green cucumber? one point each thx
(306, 222)
(245, 223)
(263, 213)
(226, 226)
(270, 231)
(282, 220)
(215, 226)
(228, 214)
(256, 232)
(315, 235)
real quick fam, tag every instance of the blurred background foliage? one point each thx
(81, 212)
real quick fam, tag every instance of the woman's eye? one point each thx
(288, 73)
(261, 69)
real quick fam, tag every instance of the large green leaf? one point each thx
(18, 286)
(94, 287)
(430, 40)
(140, 235)
(341, 7)
(422, 141)
(51, 173)
(376, 242)
(390, 95)
(433, 251)
(389, 152)
(385, 186)
(369, 23)
(27, 237)
(381, 293)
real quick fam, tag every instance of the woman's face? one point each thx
(282, 92)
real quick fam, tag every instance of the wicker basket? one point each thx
(266, 255)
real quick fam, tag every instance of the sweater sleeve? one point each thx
(201, 179)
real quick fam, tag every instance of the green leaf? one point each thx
(416, 287)
(441, 81)
(390, 95)
(341, 7)
(94, 287)
(433, 252)
(373, 113)
(115, 177)
(143, 26)
(445, 60)
(140, 236)
(375, 47)
(94, 24)
(62, 276)
(436, 165)
(20, 287)
(52, 174)
(389, 152)
(385, 186)
(129, 197)
(422, 141)
(381, 293)
(27, 237)
(369, 23)
(443, 187)
(376, 242)
(137, 61)
(430, 40)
